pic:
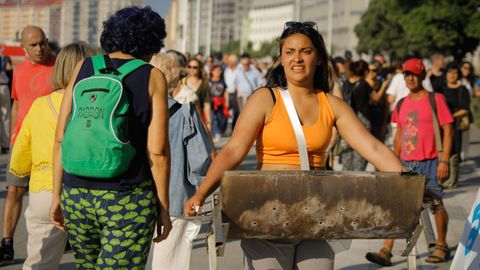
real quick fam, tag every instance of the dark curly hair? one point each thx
(133, 30)
(276, 76)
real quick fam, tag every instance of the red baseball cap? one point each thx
(414, 65)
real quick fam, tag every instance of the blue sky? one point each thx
(160, 6)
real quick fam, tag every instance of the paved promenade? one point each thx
(458, 203)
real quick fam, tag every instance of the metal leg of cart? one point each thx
(412, 259)
(410, 250)
(217, 237)
(428, 229)
(212, 252)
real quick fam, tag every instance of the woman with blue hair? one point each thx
(110, 221)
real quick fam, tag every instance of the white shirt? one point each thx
(246, 81)
(467, 85)
(229, 78)
(398, 88)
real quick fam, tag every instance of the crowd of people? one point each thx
(110, 177)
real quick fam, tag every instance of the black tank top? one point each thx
(136, 88)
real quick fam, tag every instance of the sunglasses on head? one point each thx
(308, 24)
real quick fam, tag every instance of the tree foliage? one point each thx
(269, 48)
(420, 27)
(233, 47)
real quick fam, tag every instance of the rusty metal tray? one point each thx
(320, 204)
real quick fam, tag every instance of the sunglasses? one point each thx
(308, 24)
(194, 67)
(373, 70)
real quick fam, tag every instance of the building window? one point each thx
(76, 22)
(92, 22)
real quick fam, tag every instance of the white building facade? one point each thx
(83, 19)
(267, 20)
(206, 25)
(64, 21)
(344, 16)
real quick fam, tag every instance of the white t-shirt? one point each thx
(467, 85)
(398, 88)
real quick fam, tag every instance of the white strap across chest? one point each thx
(297, 128)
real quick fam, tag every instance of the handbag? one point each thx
(463, 123)
(336, 245)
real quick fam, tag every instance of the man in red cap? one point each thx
(415, 145)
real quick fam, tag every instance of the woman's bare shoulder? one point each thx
(157, 82)
(338, 105)
(334, 100)
(263, 94)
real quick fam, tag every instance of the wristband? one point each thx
(443, 161)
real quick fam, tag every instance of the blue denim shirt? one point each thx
(190, 150)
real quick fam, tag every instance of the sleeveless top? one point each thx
(136, 88)
(276, 141)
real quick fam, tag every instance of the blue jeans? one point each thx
(218, 121)
(428, 168)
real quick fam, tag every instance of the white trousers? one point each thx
(46, 243)
(174, 252)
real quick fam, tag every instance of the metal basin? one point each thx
(320, 204)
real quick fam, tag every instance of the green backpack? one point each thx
(96, 142)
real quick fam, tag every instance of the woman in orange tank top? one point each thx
(302, 68)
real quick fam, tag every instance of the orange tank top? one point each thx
(276, 142)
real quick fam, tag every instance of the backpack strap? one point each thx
(399, 105)
(436, 126)
(129, 67)
(173, 109)
(98, 63)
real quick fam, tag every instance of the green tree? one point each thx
(379, 30)
(397, 27)
(269, 48)
(233, 47)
